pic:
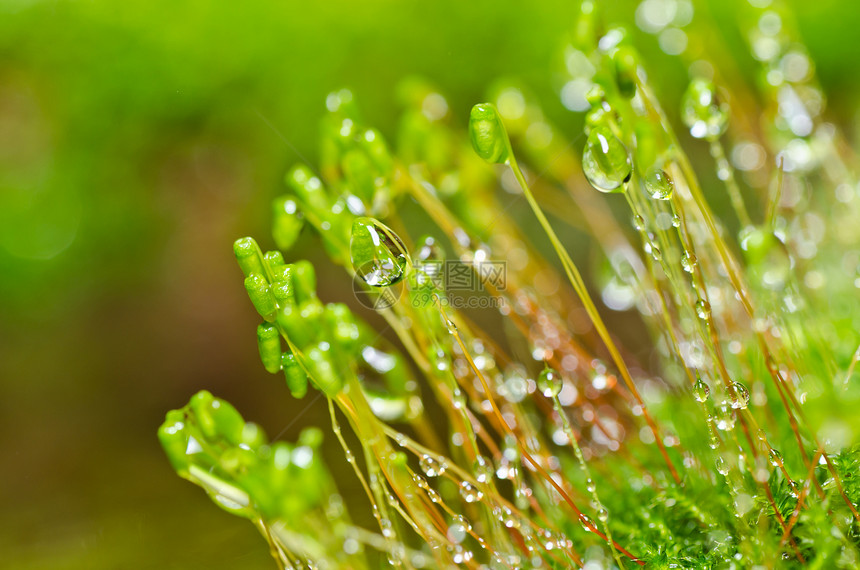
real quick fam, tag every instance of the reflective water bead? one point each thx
(689, 261)
(586, 522)
(470, 493)
(775, 457)
(431, 466)
(722, 466)
(701, 390)
(659, 184)
(605, 161)
(703, 112)
(378, 256)
(507, 517)
(458, 529)
(483, 469)
(703, 309)
(550, 383)
(741, 398)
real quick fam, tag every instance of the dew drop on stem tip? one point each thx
(377, 254)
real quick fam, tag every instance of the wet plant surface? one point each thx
(555, 446)
(607, 318)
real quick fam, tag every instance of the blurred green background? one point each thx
(137, 140)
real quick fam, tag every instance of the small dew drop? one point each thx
(722, 466)
(470, 493)
(703, 309)
(741, 397)
(459, 529)
(703, 112)
(586, 522)
(659, 184)
(775, 457)
(431, 466)
(550, 383)
(483, 469)
(689, 261)
(701, 390)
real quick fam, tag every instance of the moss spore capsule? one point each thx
(269, 344)
(295, 375)
(488, 135)
(260, 293)
(248, 256)
(287, 221)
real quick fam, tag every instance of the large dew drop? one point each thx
(378, 256)
(703, 112)
(605, 161)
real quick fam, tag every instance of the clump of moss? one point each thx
(555, 445)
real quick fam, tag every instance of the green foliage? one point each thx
(553, 443)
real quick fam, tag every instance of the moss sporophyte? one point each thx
(550, 438)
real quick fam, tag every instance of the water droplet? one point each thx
(431, 466)
(586, 522)
(378, 256)
(741, 397)
(483, 469)
(429, 251)
(689, 261)
(506, 516)
(470, 493)
(725, 418)
(722, 466)
(589, 484)
(459, 529)
(793, 488)
(703, 112)
(638, 222)
(703, 309)
(701, 390)
(550, 383)
(659, 184)
(676, 221)
(775, 457)
(451, 326)
(603, 514)
(605, 161)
